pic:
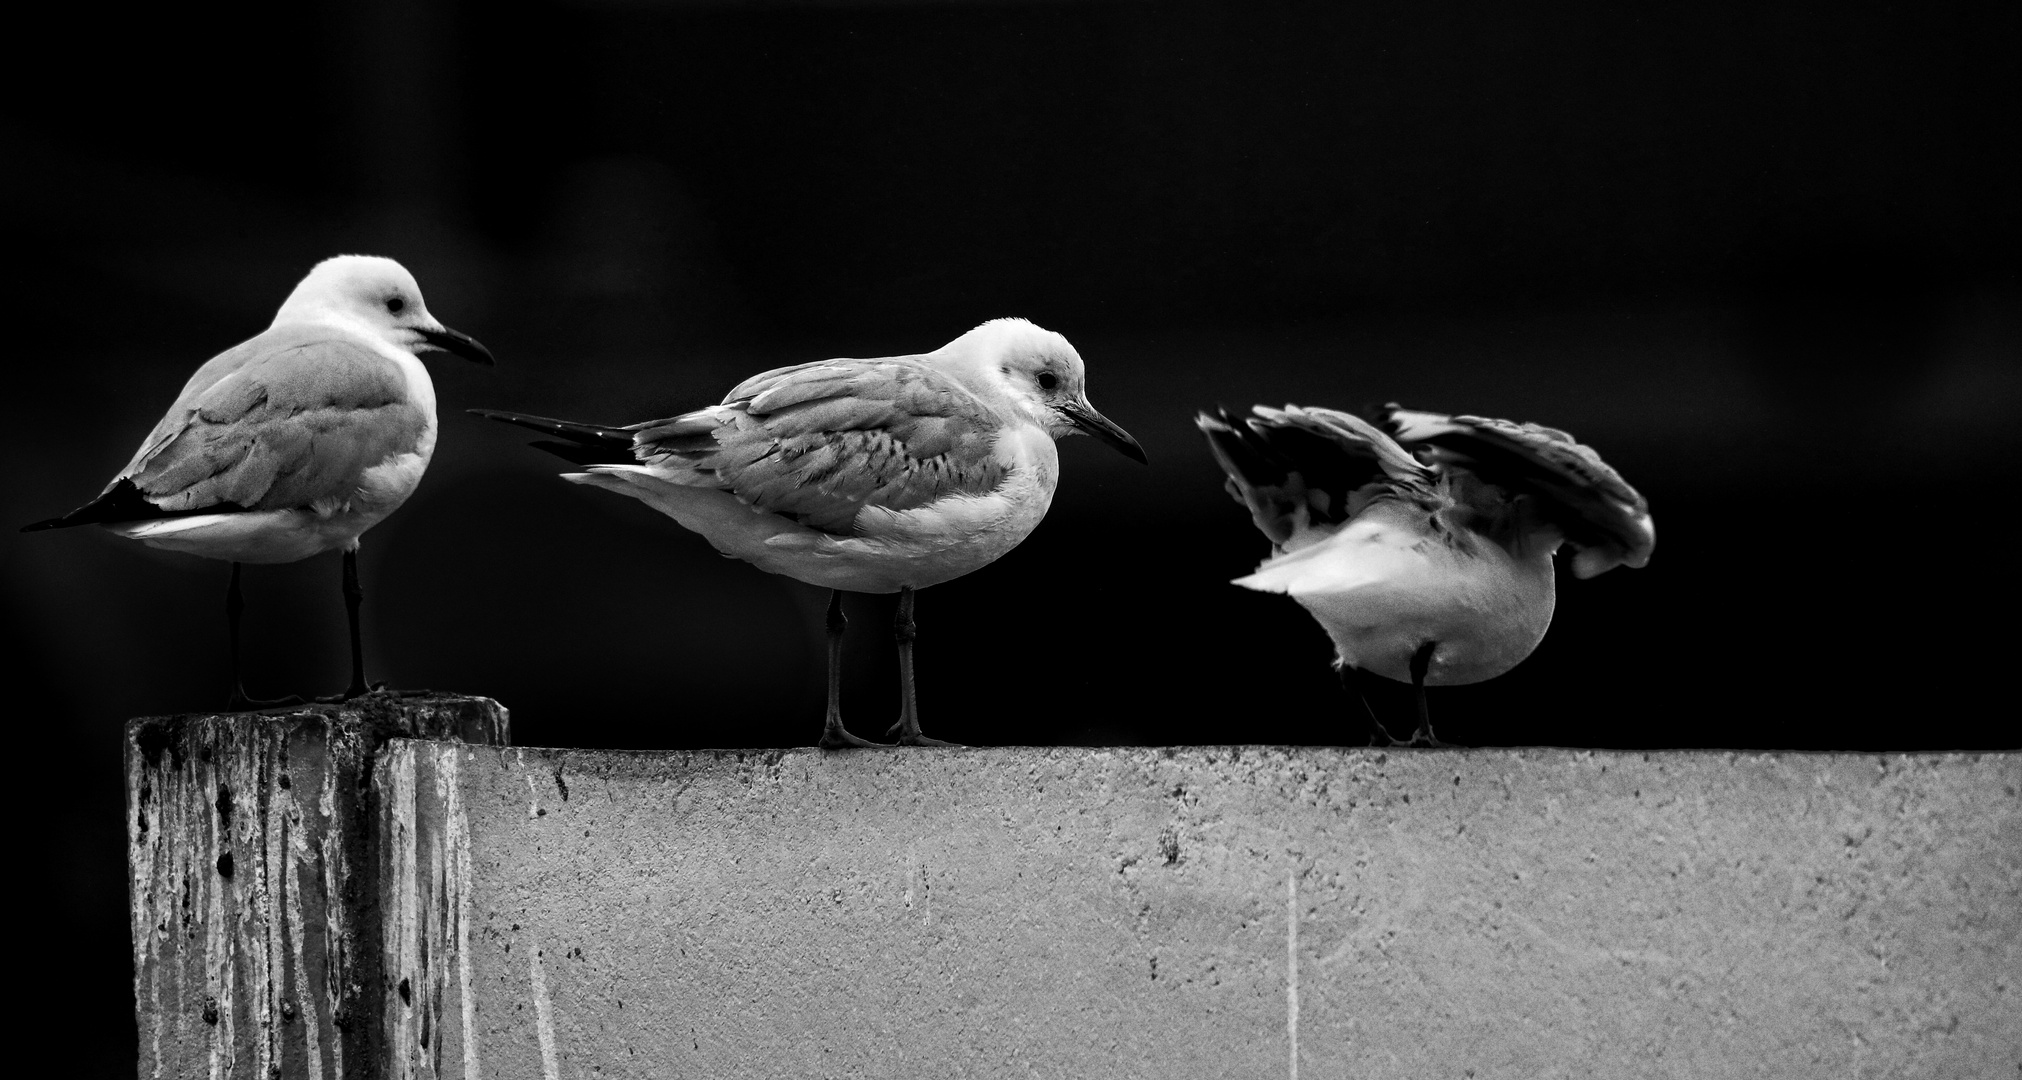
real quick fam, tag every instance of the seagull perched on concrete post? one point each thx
(878, 476)
(1423, 543)
(295, 442)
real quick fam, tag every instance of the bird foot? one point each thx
(901, 737)
(1424, 737)
(836, 737)
(922, 740)
(239, 702)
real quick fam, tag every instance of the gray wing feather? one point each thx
(819, 442)
(1596, 509)
(1301, 466)
(279, 422)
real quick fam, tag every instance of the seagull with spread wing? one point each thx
(1423, 543)
(295, 442)
(878, 476)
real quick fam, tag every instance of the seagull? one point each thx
(1422, 542)
(879, 476)
(292, 443)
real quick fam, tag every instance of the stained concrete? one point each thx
(255, 882)
(1201, 912)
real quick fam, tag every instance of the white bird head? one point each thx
(1037, 374)
(380, 297)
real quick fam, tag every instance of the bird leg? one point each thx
(1421, 661)
(833, 735)
(904, 631)
(353, 596)
(1351, 681)
(239, 701)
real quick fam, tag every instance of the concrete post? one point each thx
(254, 879)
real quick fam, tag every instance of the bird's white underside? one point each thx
(1382, 587)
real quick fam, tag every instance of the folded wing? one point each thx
(285, 421)
(819, 442)
(293, 426)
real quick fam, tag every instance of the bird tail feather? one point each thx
(1354, 558)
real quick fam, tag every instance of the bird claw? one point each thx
(900, 737)
(1424, 738)
(836, 737)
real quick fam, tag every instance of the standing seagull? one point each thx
(878, 476)
(295, 442)
(1425, 550)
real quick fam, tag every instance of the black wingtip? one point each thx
(120, 502)
(583, 444)
(124, 502)
(551, 426)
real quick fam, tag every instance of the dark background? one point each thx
(1763, 260)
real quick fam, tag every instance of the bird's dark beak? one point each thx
(1090, 422)
(443, 339)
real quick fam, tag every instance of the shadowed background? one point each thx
(1763, 261)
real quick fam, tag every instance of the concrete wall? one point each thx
(1201, 912)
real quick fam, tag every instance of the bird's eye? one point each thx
(1048, 380)
(394, 304)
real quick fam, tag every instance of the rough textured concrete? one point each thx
(1205, 912)
(254, 882)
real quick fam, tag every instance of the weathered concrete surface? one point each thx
(1203, 912)
(254, 882)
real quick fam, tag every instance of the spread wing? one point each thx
(1298, 467)
(1600, 514)
(282, 421)
(819, 442)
